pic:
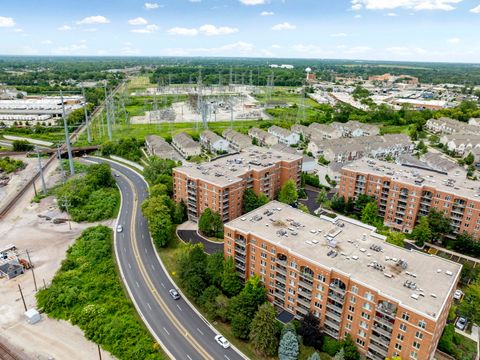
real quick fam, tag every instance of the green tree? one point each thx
(310, 331)
(288, 327)
(22, 145)
(362, 201)
(241, 326)
(158, 171)
(469, 306)
(288, 193)
(321, 197)
(350, 348)
(251, 201)
(396, 238)
(208, 300)
(263, 330)
(369, 214)
(99, 175)
(192, 264)
(288, 348)
(210, 223)
(230, 281)
(340, 355)
(439, 224)
(338, 203)
(159, 220)
(215, 268)
(222, 305)
(303, 208)
(469, 159)
(421, 232)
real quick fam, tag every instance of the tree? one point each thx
(421, 232)
(303, 208)
(310, 331)
(159, 220)
(208, 298)
(263, 330)
(469, 159)
(288, 348)
(159, 170)
(192, 264)
(321, 197)
(230, 282)
(469, 306)
(314, 356)
(350, 348)
(99, 175)
(369, 214)
(288, 193)
(340, 355)
(362, 201)
(338, 203)
(439, 224)
(210, 223)
(396, 238)
(22, 145)
(241, 326)
(215, 268)
(251, 201)
(222, 306)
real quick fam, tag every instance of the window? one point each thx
(422, 324)
(353, 300)
(320, 287)
(405, 316)
(403, 327)
(400, 337)
(360, 342)
(367, 306)
(291, 291)
(321, 278)
(348, 326)
(416, 345)
(413, 355)
(398, 346)
(349, 317)
(351, 308)
(365, 316)
(364, 325)
(362, 333)
(290, 299)
(354, 289)
(419, 335)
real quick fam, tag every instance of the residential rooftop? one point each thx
(361, 254)
(454, 182)
(229, 169)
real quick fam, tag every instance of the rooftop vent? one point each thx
(449, 273)
(414, 296)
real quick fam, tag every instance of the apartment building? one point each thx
(219, 184)
(263, 137)
(460, 143)
(185, 145)
(392, 301)
(158, 146)
(449, 126)
(405, 193)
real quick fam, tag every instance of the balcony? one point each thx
(331, 332)
(334, 307)
(302, 310)
(380, 341)
(333, 316)
(378, 349)
(279, 285)
(306, 285)
(281, 271)
(240, 259)
(383, 323)
(240, 241)
(305, 302)
(240, 250)
(331, 324)
(282, 281)
(382, 331)
(337, 289)
(278, 303)
(281, 262)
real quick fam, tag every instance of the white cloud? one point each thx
(212, 30)
(128, 50)
(453, 40)
(267, 13)
(445, 5)
(6, 21)
(70, 49)
(183, 31)
(65, 28)
(399, 50)
(475, 10)
(195, 1)
(309, 50)
(253, 2)
(46, 42)
(358, 16)
(341, 34)
(138, 21)
(275, 46)
(151, 6)
(18, 30)
(357, 50)
(146, 30)
(392, 14)
(96, 19)
(283, 26)
(90, 30)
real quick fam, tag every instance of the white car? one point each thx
(174, 294)
(222, 341)
(119, 228)
(458, 294)
(461, 323)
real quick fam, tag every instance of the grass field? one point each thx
(139, 83)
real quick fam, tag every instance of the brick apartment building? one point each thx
(219, 184)
(393, 302)
(404, 193)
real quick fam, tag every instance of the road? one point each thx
(192, 237)
(180, 330)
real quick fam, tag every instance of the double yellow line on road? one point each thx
(181, 329)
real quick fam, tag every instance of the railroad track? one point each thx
(5, 353)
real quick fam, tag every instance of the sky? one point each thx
(398, 30)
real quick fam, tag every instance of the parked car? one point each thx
(119, 228)
(174, 293)
(458, 294)
(222, 341)
(461, 323)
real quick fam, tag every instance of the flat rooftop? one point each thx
(361, 254)
(454, 182)
(229, 169)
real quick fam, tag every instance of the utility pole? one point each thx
(65, 203)
(61, 164)
(23, 299)
(107, 112)
(89, 139)
(67, 137)
(33, 272)
(99, 352)
(44, 186)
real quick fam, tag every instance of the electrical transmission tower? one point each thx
(67, 136)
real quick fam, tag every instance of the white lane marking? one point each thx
(138, 285)
(179, 308)
(200, 331)
(189, 358)
(166, 331)
(145, 250)
(227, 357)
(162, 284)
(153, 267)
(130, 266)
(124, 250)
(142, 236)
(149, 306)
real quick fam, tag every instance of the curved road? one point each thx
(182, 332)
(192, 236)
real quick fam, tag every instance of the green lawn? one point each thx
(395, 129)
